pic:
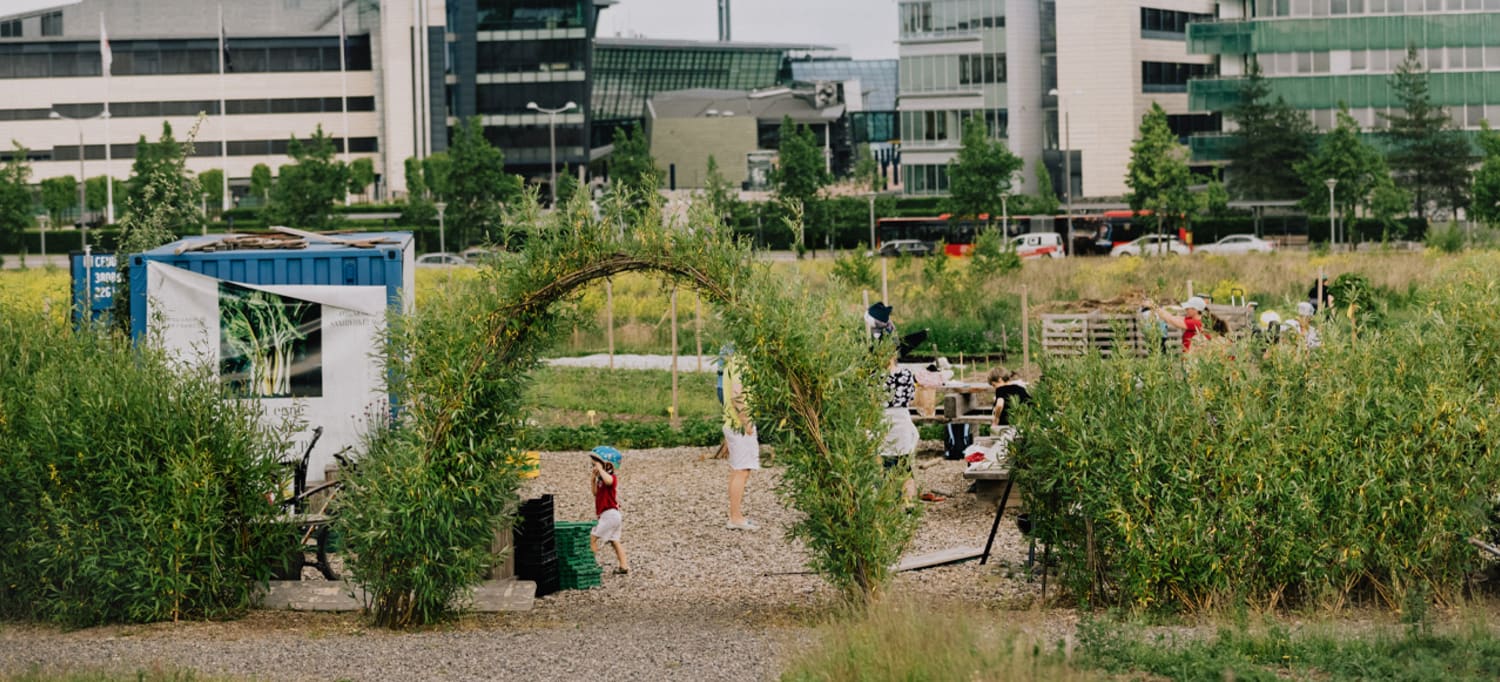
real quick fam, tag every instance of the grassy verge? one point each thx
(569, 393)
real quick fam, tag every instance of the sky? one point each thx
(8, 7)
(864, 29)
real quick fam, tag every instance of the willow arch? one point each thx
(420, 512)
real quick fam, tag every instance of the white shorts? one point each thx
(608, 528)
(744, 449)
(902, 439)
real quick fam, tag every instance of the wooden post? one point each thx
(609, 319)
(698, 327)
(867, 298)
(1025, 329)
(675, 421)
(1190, 288)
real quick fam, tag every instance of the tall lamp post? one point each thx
(442, 239)
(83, 222)
(1067, 164)
(1332, 226)
(871, 195)
(552, 140)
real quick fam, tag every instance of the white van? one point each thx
(1039, 245)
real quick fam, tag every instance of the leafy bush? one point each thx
(1351, 473)
(1448, 239)
(133, 492)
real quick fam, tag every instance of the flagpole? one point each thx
(106, 61)
(223, 116)
(344, 90)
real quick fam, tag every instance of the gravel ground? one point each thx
(701, 602)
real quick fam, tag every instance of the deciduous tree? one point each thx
(260, 181)
(305, 191)
(211, 188)
(1158, 176)
(1341, 155)
(15, 198)
(58, 196)
(1486, 204)
(361, 175)
(983, 169)
(478, 188)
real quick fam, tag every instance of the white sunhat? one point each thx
(1196, 303)
(1269, 318)
(1305, 309)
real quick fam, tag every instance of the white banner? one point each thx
(307, 352)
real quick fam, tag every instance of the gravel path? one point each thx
(701, 603)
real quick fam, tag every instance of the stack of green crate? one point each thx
(576, 565)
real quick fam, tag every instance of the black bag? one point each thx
(957, 437)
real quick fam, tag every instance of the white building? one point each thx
(283, 78)
(1068, 74)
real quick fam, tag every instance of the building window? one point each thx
(10, 29)
(974, 69)
(52, 24)
(1172, 76)
(1167, 24)
(1187, 125)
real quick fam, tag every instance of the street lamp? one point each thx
(1067, 164)
(552, 139)
(82, 177)
(442, 240)
(1332, 226)
(872, 220)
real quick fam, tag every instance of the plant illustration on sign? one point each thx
(270, 346)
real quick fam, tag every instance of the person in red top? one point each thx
(1191, 322)
(604, 483)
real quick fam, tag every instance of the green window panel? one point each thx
(1326, 92)
(1345, 33)
(1209, 148)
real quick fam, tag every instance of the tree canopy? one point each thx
(1158, 176)
(1269, 140)
(478, 187)
(801, 171)
(305, 191)
(1344, 156)
(982, 170)
(15, 197)
(1428, 155)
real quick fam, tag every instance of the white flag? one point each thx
(105, 56)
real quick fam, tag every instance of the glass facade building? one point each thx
(628, 71)
(878, 78)
(1318, 54)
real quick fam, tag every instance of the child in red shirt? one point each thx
(604, 483)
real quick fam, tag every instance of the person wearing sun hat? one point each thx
(1310, 339)
(1191, 322)
(604, 482)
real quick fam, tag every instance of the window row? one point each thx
(974, 69)
(942, 17)
(1325, 8)
(925, 178)
(511, 98)
(163, 57)
(949, 73)
(1172, 76)
(1165, 21)
(207, 149)
(1377, 61)
(937, 128)
(530, 56)
(297, 105)
(1187, 125)
(508, 15)
(10, 29)
(1374, 118)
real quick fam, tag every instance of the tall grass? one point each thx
(898, 640)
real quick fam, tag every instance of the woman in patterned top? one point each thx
(900, 444)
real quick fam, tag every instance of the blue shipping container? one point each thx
(93, 285)
(321, 263)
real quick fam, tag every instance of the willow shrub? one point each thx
(133, 493)
(1354, 472)
(419, 513)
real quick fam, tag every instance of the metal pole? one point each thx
(83, 187)
(442, 228)
(1005, 214)
(1333, 228)
(552, 145)
(872, 221)
(1068, 174)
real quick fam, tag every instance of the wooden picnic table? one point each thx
(962, 397)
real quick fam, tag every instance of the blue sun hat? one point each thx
(606, 455)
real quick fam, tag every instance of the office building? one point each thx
(1319, 53)
(282, 79)
(1047, 76)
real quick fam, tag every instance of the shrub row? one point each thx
(133, 493)
(1354, 472)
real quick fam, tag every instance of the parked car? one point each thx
(1039, 245)
(1152, 245)
(440, 259)
(910, 247)
(1237, 243)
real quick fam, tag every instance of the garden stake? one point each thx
(609, 318)
(675, 422)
